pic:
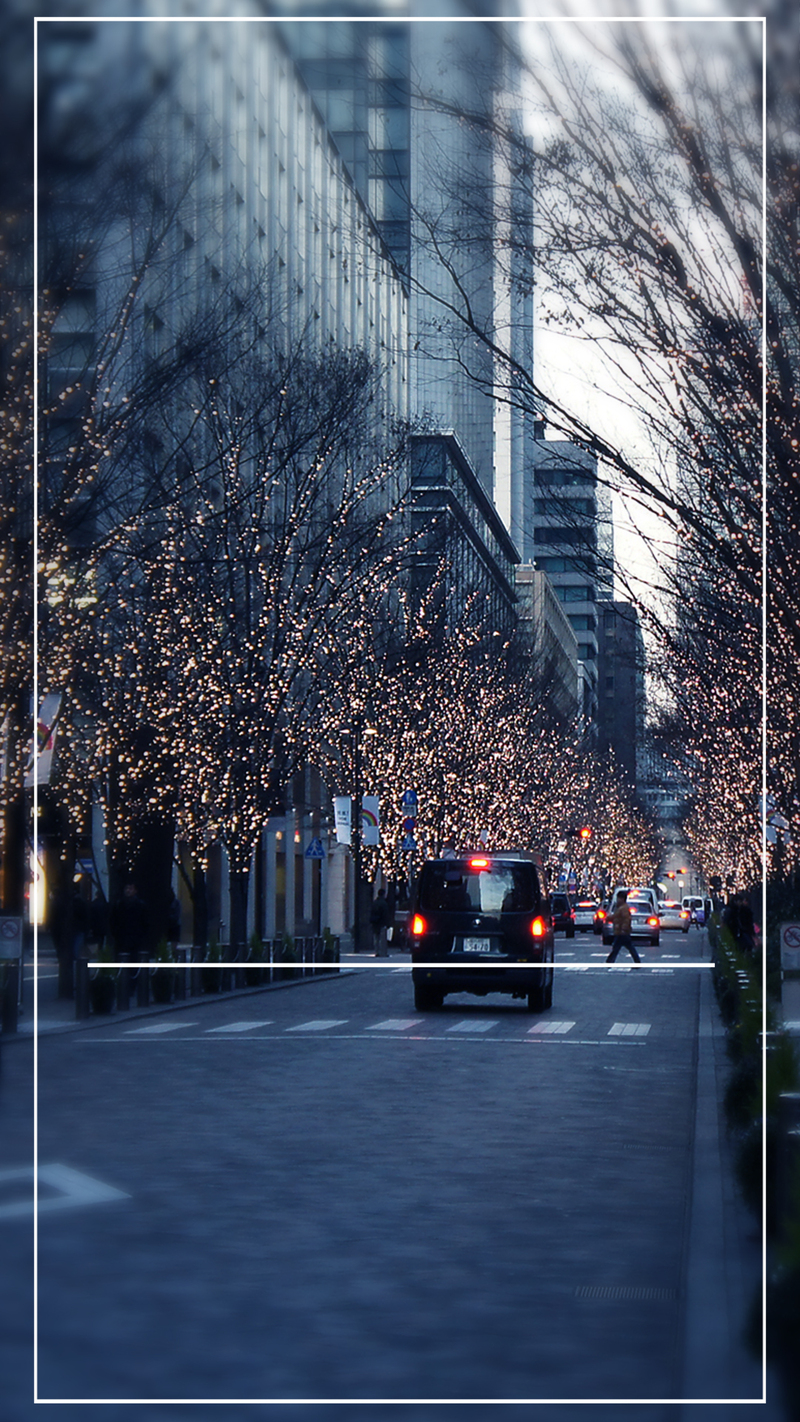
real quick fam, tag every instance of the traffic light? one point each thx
(586, 833)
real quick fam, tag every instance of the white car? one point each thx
(673, 916)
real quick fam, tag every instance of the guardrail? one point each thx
(105, 987)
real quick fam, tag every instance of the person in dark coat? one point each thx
(379, 922)
(737, 917)
(128, 923)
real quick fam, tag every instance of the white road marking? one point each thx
(630, 1029)
(559, 1027)
(471, 1025)
(395, 1024)
(322, 1025)
(41, 1026)
(74, 1188)
(158, 1029)
(240, 1026)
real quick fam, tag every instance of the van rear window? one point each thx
(458, 887)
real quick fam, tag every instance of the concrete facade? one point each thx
(552, 640)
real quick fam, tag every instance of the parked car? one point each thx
(584, 914)
(672, 915)
(645, 922)
(482, 924)
(563, 915)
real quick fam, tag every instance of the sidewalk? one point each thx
(58, 1015)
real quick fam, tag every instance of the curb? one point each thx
(26, 1032)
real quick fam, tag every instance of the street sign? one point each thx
(10, 937)
(790, 947)
(409, 844)
(409, 802)
(315, 850)
(409, 825)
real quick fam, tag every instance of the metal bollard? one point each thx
(143, 982)
(788, 1162)
(123, 984)
(180, 975)
(81, 987)
(10, 1009)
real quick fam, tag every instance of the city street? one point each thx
(318, 1193)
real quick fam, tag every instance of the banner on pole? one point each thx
(341, 818)
(370, 820)
(41, 760)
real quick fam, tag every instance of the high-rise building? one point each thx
(301, 161)
(621, 685)
(562, 541)
(552, 642)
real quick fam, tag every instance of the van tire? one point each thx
(427, 999)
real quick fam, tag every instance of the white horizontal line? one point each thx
(241, 1026)
(321, 1025)
(158, 1029)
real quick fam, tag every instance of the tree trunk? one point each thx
(238, 887)
(152, 874)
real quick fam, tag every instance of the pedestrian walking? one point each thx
(98, 921)
(621, 924)
(379, 922)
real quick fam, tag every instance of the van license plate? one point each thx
(478, 945)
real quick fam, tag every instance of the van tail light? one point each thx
(653, 923)
(418, 925)
(538, 928)
(684, 913)
(601, 914)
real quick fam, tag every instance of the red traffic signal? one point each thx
(586, 833)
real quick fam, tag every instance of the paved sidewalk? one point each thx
(56, 1014)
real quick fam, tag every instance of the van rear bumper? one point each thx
(495, 977)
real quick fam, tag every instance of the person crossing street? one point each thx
(621, 924)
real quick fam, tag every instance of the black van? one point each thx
(479, 924)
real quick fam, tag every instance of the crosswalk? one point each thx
(429, 1025)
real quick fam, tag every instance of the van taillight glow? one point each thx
(653, 922)
(418, 925)
(538, 928)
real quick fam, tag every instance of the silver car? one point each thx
(673, 916)
(584, 915)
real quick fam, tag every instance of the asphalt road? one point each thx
(320, 1195)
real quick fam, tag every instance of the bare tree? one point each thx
(646, 188)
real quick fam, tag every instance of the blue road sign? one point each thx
(315, 850)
